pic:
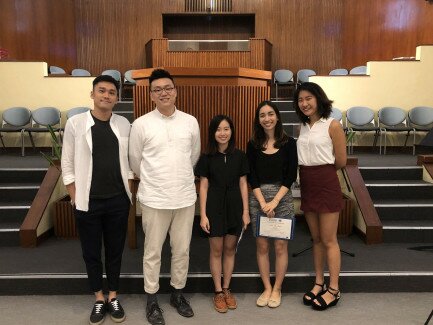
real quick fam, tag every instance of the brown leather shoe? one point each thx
(219, 303)
(230, 299)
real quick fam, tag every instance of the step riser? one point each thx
(11, 195)
(8, 239)
(12, 215)
(291, 130)
(122, 106)
(405, 213)
(289, 117)
(284, 106)
(408, 236)
(70, 286)
(17, 176)
(128, 116)
(403, 193)
(391, 174)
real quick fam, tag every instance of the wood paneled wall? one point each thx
(384, 29)
(322, 35)
(204, 102)
(42, 30)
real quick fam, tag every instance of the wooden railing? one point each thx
(373, 225)
(28, 230)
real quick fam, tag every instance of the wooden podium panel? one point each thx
(258, 57)
(210, 76)
(205, 93)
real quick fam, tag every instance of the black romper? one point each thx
(224, 201)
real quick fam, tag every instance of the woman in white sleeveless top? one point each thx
(321, 152)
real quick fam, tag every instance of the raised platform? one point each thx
(56, 266)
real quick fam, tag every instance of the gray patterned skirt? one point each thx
(285, 209)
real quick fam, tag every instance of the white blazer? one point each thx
(77, 163)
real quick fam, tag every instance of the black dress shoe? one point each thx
(179, 302)
(154, 314)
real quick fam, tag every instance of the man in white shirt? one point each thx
(96, 173)
(163, 148)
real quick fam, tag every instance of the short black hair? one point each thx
(324, 104)
(212, 144)
(159, 74)
(259, 135)
(106, 78)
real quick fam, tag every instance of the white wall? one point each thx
(27, 84)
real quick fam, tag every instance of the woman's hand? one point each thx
(204, 224)
(269, 208)
(246, 219)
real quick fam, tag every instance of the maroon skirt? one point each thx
(320, 189)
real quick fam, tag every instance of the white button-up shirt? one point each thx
(315, 144)
(77, 161)
(163, 151)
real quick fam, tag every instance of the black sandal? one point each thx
(322, 301)
(312, 296)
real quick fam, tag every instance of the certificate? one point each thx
(277, 228)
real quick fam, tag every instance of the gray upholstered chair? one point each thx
(361, 119)
(393, 119)
(42, 117)
(339, 72)
(421, 120)
(15, 119)
(282, 77)
(80, 73)
(56, 70)
(303, 75)
(75, 111)
(361, 70)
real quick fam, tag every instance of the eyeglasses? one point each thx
(158, 91)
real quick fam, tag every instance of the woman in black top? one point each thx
(273, 168)
(223, 204)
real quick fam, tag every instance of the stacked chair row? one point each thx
(22, 120)
(127, 77)
(389, 119)
(285, 77)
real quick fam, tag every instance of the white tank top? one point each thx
(315, 145)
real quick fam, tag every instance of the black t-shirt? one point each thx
(106, 177)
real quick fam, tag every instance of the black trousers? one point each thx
(106, 220)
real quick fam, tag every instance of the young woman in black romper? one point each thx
(223, 204)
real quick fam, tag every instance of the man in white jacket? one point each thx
(97, 176)
(163, 148)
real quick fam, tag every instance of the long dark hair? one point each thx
(324, 104)
(212, 144)
(259, 135)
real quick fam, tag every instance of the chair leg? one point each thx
(22, 143)
(407, 136)
(413, 145)
(1, 138)
(375, 138)
(31, 140)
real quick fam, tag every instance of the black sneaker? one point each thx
(154, 314)
(98, 313)
(178, 301)
(116, 311)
